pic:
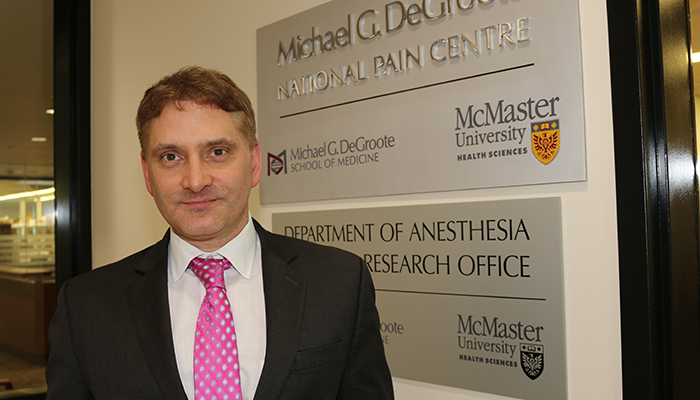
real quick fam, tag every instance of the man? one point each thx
(279, 318)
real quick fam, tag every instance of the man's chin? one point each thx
(200, 231)
(210, 228)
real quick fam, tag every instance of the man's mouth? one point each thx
(199, 203)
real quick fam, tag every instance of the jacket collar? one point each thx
(284, 304)
(148, 300)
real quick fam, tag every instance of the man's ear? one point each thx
(256, 162)
(144, 167)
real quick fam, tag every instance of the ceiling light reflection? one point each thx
(27, 194)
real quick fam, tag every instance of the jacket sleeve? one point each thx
(366, 374)
(63, 375)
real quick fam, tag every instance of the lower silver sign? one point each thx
(470, 295)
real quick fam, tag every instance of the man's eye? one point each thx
(170, 157)
(218, 152)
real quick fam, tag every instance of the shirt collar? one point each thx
(240, 251)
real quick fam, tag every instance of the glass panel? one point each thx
(694, 6)
(27, 284)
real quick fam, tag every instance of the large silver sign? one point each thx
(366, 97)
(470, 295)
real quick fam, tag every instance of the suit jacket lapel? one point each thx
(284, 304)
(148, 299)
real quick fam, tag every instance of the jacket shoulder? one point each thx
(121, 273)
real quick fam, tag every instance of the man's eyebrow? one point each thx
(219, 142)
(162, 147)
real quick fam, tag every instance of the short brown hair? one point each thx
(205, 87)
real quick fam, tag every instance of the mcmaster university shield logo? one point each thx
(545, 140)
(532, 359)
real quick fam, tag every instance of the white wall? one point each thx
(136, 42)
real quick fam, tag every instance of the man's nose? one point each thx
(197, 176)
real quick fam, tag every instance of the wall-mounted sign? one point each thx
(470, 295)
(366, 97)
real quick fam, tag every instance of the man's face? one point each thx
(199, 169)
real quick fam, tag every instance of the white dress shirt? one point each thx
(244, 283)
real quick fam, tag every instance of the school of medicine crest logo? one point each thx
(532, 359)
(276, 163)
(545, 140)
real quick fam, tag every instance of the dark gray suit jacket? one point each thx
(111, 336)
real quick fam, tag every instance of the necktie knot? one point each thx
(210, 271)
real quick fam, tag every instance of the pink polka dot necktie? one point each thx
(216, 370)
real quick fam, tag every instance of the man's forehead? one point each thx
(169, 132)
(189, 115)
